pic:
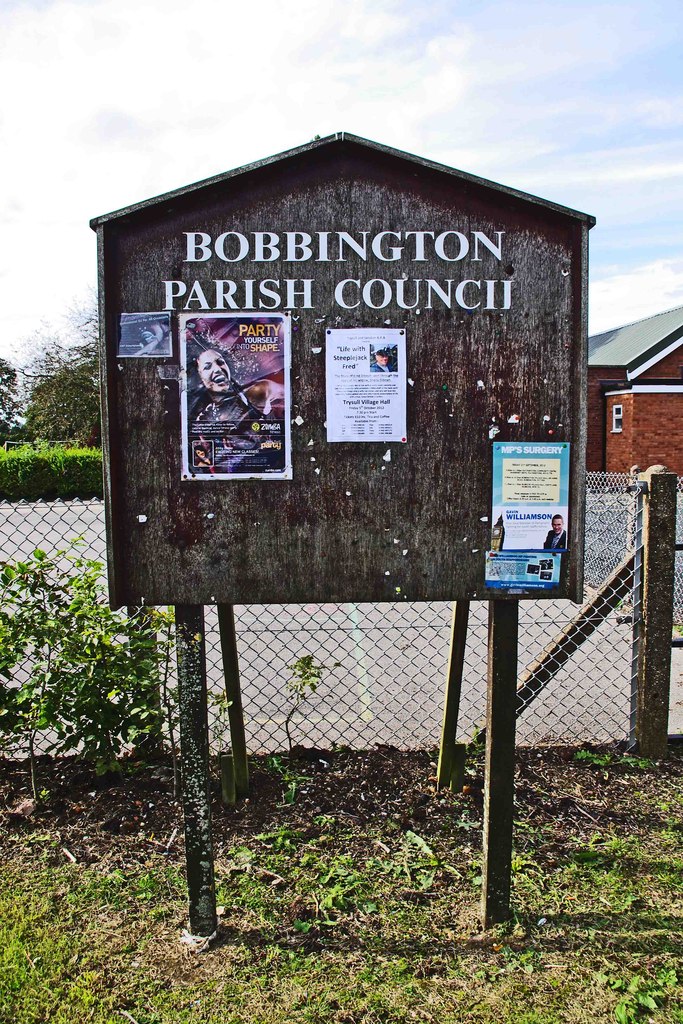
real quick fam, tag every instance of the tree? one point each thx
(65, 405)
(10, 404)
(62, 380)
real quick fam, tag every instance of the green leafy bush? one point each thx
(84, 676)
(50, 472)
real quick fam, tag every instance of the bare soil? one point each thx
(121, 819)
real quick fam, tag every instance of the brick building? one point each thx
(635, 395)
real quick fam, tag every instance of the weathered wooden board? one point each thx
(308, 539)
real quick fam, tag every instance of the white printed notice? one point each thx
(366, 377)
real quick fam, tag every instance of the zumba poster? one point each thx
(235, 399)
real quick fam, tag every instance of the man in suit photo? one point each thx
(557, 535)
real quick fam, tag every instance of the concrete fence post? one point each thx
(654, 656)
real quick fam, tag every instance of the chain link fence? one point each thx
(384, 665)
(678, 579)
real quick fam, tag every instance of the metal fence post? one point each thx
(654, 655)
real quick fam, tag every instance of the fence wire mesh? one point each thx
(384, 665)
(678, 578)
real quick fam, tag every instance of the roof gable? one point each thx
(639, 345)
(340, 140)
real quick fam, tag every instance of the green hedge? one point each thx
(31, 473)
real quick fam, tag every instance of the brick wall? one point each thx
(595, 452)
(612, 452)
(619, 447)
(652, 432)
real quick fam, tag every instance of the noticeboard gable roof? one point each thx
(339, 139)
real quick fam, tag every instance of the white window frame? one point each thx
(617, 418)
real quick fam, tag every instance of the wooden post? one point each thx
(499, 787)
(450, 771)
(228, 789)
(240, 763)
(654, 655)
(194, 747)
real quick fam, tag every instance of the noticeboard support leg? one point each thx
(240, 763)
(499, 787)
(451, 766)
(194, 748)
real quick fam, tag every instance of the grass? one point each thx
(374, 923)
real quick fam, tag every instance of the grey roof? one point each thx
(335, 140)
(634, 344)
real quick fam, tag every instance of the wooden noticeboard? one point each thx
(489, 286)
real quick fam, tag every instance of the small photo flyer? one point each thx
(530, 504)
(522, 570)
(235, 400)
(144, 336)
(366, 382)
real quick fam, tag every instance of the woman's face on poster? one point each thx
(214, 372)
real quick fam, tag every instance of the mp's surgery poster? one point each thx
(235, 396)
(530, 516)
(530, 497)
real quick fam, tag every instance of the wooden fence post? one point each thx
(654, 654)
(450, 771)
(231, 671)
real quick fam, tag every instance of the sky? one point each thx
(108, 102)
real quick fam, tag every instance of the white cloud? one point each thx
(661, 112)
(107, 102)
(620, 298)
